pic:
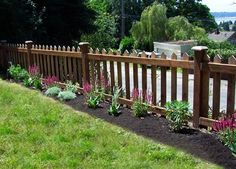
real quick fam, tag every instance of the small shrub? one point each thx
(226, 131)
(66, 95)
(141, 104)
(50, 81)
(34, 78)
(71, 87)
(53, 91)
(18, 73)
(177, 112)
(93, 95)
(114, 107)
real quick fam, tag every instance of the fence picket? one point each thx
(154, 81)
(163, 82)
(173, 80)
(135, 70)
(127, 76)
(144, 76)
(216, 91)
(112, 72)
(231, 89)
(185, 79)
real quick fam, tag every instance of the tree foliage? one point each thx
(43, 21)
(151, 26)
(155, 26)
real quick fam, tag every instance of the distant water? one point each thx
(221, 19)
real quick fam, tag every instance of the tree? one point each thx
(18, 20)
(64, 21)
(151, 27)
(179, 28)
(104, 37)
(154, 26)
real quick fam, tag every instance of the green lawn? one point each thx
(38, 132)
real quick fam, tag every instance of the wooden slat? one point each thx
(48, 63)
(112, 72)
(61, 67)
(185, 79)
(119, 71)
(231, 89)
(57, 53)
(104, 52)
(144, 77)
(154, 81)
(44, 63)
(222, 68)
(206, 121)
(173, 80)
(216, 91)
(144, 61)
(135, 70)
(69, 62)
(79, 65)
(127, 77)
(163, 83)
(98, 68)
(65, 63)
(57, 71)
(75, 67)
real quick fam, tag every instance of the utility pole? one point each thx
(122, 19)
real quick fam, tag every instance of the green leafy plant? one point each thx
(17, 73)
(114, 107)
(141, 103)
(71, 87)
(93, 95)
(66, 95)
(53, 91)
(177, 112)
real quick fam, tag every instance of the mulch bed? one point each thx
(200, 144)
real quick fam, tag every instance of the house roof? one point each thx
(221, 37)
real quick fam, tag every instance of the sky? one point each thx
(220, 5)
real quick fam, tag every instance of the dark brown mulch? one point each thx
(195, 142)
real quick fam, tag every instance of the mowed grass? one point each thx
(39, 132)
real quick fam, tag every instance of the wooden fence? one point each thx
(133, 70)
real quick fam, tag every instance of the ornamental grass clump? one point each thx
(93, 95)
(114, 107)
(177, 112)
(141, 102)
(226, 131)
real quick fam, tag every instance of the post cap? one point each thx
(29, 41)
(199, 48)
(83, 43)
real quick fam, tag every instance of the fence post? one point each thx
(29, 56)
(4, 55)
(201, 84)
(84, 49)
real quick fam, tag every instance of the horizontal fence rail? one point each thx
(168, 78)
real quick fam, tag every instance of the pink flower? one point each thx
(51, 80)
(87, 88)
(34, 70)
